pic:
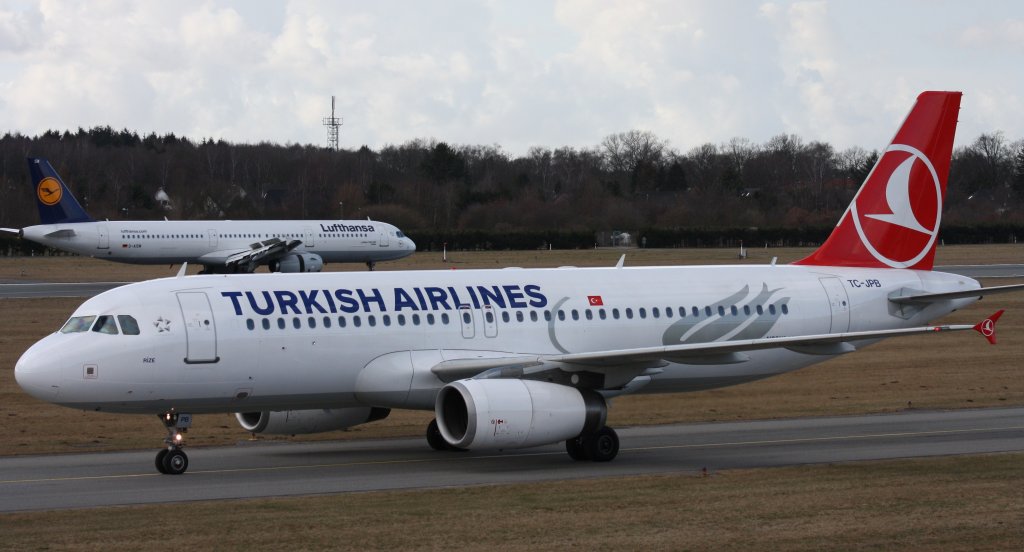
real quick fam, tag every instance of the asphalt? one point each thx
(263, 469)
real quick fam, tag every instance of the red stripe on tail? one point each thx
(893, 220)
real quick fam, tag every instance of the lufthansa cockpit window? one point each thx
(105, 324)
(78, 324)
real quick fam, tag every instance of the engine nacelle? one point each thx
(513, 413)
(299, 422)
(298, 262)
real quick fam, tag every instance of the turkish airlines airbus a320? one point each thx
(517, 357)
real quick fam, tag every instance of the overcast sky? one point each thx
(513, 73)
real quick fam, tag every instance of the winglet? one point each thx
(182, 270)
(987, 327)
(622, 261)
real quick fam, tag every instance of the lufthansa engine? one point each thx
(513, 413)
(298, 262)
(299, 422)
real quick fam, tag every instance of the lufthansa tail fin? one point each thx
(893, 221)
(56, 203)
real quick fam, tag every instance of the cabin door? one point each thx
(308, 240)
(104, 238)
(200, 330)
(838, 302)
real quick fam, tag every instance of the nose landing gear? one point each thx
(173, 460)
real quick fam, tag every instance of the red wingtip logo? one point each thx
(987, 327)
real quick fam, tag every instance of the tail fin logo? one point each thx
(49, 191)
(899, 227)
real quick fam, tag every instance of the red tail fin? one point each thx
(893, 220)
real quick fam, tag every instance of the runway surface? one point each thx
(250, 470)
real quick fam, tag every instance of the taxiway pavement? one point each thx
(268, 469)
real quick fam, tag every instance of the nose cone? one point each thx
(38, 371)
(409, 244)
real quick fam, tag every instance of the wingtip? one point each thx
(987, 327)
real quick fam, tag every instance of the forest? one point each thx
(785, 191)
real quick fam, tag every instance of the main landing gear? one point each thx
(599, 446)
(173, 460)
(371, 265)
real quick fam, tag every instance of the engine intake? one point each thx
(301, 422)
(298, 262)
(513, 413)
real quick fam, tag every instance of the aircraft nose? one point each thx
(411, 245)
(38, 372)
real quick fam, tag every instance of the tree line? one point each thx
(483, 196)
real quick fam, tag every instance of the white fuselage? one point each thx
(170, 242)
(276, 341)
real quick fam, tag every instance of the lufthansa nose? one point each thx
(38, 373)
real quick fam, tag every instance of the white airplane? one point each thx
(516, 357)
(221, 246)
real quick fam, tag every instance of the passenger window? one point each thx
(341, 321)
(615, 314)
(655, 312)
(266, 323)
(250, 324)
(590, 314)
(295, 322)
(356, 321)
(415, 320)
(371, 320)
(105, 324)
(505, 317)
(533, 316)
(746, 310)
(129, 326)
(696, 311)
(771, 309)
(519, 316)
(490, 317)
(629, 313)
(733, 311)
(642, 312)
(575, 314)
(561, 314)
(312, 322)
(280, 323)
(602, 314)
(401, 319)
(721, 310)
(785, 309)
(707, 311)
(78, 324)
(465, 318)
(327, 321)
(430, 318)
(386, 318)
(760, 310)
(547, 316)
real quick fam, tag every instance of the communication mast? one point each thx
(332, 123)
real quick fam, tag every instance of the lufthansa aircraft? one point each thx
(222, 246)
(516, 357)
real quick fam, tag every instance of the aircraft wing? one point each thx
(913, 297)
(647, 360)
(258, 253)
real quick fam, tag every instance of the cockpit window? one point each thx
(105, 324)
(78, 324)
(399, 234)
(128, 324)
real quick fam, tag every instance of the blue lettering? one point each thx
(258, 309)
(287, 299)
(234, 295)
(487, 295)
(455, 296)
(538, 301)
(330, 301)
(345, 301)
(437, 297)
(515, 297)
(419, 295)
(374, 297)
(403, 300)
(472, 295)
(309, 301)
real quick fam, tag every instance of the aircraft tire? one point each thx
(602, 445)
(576, 449)
(175, 462)
(160, 461)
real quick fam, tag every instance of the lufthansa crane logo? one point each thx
(901, 230)
(49, 191)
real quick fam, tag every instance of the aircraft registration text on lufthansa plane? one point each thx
(516, 357)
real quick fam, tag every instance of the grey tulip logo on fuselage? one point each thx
(752, 319)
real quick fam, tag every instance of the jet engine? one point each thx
(513, 413)
(298, 262)
(300, 422)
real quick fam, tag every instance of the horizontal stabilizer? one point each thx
(934, 297)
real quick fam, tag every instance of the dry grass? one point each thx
(950, 504)
(948, 371)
